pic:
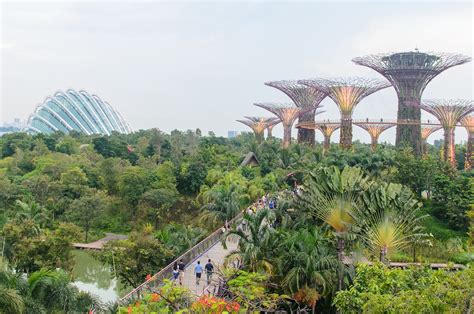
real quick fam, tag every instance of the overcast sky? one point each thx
(191, 65)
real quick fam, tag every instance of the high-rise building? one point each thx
(232, 134)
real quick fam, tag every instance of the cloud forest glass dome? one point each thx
(76, 111)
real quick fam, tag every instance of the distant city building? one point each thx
(76, 111)
(9, 127)
(232, 134)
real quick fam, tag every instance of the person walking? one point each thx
(181, 267)
(209, 271)
(175, 271)
(198, 272)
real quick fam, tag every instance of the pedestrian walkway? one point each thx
(217, 254)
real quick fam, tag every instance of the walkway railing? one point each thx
(188, 257)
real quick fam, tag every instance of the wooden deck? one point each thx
(99, 244)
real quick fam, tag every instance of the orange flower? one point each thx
(155, 297)
(148, 277)
(129, 310)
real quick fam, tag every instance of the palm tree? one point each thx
(31, 210)
(390, 218)
(257, 244)
(330, 196)
(307, 261)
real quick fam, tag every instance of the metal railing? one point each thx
(188, 257)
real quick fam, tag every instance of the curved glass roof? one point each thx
(78, 111)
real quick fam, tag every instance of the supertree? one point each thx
(326, 127)
(426, 131)
(346, 93)
(374, 129)
(257, 124)
(271, 124)
(449, 113)
(409, 73)
(287, 113)
(468, 123)
(304, 97)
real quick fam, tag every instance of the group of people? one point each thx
(179, 268)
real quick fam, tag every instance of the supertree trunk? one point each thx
(327, 143)
(424, 148)
(449, 150)
(468, 159)
(306, 136)
(374, 141)
(259, 137)
(269, 133)
(286, 136)
(409, 135)
(346, 132)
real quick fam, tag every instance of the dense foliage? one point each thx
(166, 192)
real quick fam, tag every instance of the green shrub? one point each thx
(378, 289)
(463, 258)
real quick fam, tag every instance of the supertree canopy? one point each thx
(449, 113)
(426, 131)
(304, 97)
(346, 93)
(409, 73)
(374, 130)
(257, 124)
(468, 123)
(287, 113)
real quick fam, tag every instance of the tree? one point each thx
(330, 195)
(86, 210)
(132, 184)
(257, 244)
(135, 258)
(452, 196)
(306, 259)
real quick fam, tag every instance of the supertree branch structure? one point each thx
(409, 73)
(287, 113)
(449, 113)
(326, 127)
(468, 123)
(303, 97)
(271, 123)
(346, 93)
(426, 131)
(257, 124)
(375, 130)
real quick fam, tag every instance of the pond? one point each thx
(96, 278)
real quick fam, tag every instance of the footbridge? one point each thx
(209, 248)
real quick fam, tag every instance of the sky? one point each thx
(190, 64)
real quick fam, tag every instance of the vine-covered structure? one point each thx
(346, 93)
(410, 73)
(287, 113)
(258, 126)
(468, 123)
(374, 130)
(327, 128)
(426, 131)
(271, 124)
(304, 97)
(449, 112)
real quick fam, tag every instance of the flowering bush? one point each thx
(213, 305)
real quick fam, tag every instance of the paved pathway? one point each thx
(217, 254)
(99, 244)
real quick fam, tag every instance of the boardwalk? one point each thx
(99, 244)
(217, 254)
